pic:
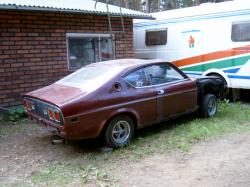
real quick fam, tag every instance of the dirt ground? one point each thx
(26, 152)
(224, 161)
(221, 162)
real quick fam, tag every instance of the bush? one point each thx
(16, 113)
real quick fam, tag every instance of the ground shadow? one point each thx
(97, 145)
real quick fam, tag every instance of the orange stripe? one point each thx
(213, 56)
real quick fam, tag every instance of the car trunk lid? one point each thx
(56, 94)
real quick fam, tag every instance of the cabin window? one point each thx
(138, 78)
(154, 75)
(85, 49)
(241, 32)
(156, 37)
(163, 73)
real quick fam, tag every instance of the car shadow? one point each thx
(166, 125)
(97, 145)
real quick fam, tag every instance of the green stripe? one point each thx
(219, 64)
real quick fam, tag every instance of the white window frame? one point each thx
(86, 35)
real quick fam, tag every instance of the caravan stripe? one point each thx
(213, 56)
(234, 70)
(238, 77)
(218, 64)
(230, 76)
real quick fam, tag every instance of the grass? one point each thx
(179, 134)
(184, 132)
(62, 174)
(21, 126)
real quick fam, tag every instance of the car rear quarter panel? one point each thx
(86, 117)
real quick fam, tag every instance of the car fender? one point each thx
(121, 111)
(219, 72)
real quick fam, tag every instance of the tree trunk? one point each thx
(158, 6)
(126, 3)
(148, 6)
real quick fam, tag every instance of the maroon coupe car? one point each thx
(114, 98)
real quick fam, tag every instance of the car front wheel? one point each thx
(209, 105)
(119, 131)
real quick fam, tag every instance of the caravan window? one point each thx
(241, 32)
(156, 37)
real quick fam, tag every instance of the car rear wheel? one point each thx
(209, 105)
(119, 131)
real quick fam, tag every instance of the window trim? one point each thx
(86, 35)
(156, 85)
(185, 77)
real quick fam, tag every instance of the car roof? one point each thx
(126, 63)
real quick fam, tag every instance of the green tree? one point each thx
(150, 6)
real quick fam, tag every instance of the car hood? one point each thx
(56, 94)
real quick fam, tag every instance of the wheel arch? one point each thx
(205, 89)
(219, 73)
(132, 114)
(208, 89)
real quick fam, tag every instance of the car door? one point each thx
(141, 97)
(175, 92)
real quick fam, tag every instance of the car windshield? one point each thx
(90, 76)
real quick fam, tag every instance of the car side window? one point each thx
(163, 73)
(138, 78)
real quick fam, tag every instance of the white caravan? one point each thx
(210, 39)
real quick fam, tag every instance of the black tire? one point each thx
(208, 106)
(119, 131)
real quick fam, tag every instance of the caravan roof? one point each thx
(206, 9)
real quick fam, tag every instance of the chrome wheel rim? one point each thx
(212, 107)
(121, 132)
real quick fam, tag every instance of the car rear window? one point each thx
(86, 74)
(89, 76)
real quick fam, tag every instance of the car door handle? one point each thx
(161, 92)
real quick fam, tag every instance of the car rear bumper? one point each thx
(55, 128)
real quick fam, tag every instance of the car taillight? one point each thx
(51, 114)
(54, 115)
(28, 105)
(57, 116)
